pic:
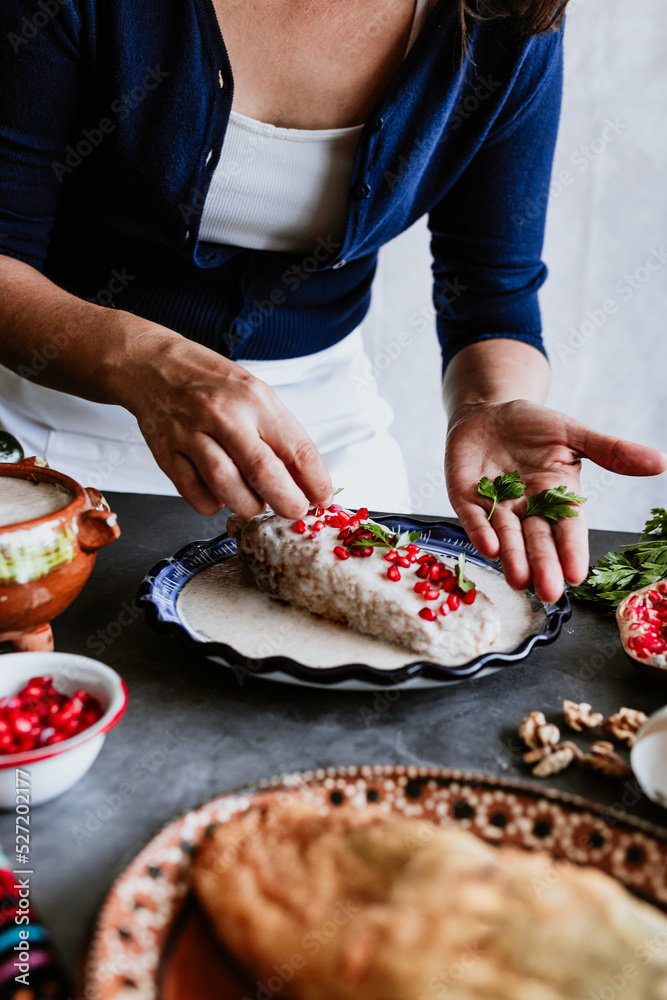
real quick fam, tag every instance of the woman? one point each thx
(176, 239)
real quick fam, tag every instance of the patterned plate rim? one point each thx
(570, 802)
(165, 619)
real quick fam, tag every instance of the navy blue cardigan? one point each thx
(112, 118)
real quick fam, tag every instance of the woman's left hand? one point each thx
(546, 447)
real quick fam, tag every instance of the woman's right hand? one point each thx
(222, 436)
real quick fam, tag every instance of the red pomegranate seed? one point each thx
(343, 516)
(313, 534)
(311, 512)
(318, 525)
(412, 558)
(362, 513)
(393, 574)
(434, 572)
(354, 522)
(335, 507)
(426, 559)
(299, 527)
(445, 572)
(431, 595)
(422, 572)
(449, 584)
(444, 609)
(365, 553)
(391, 556)
(402, 561)
(332, 521)
(344, 533)
(414, 549)
(427, 614)
(340, 552)
(453, 602)
(469, 598)
(420, 587)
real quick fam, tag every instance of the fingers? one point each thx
(623, 457)
(303, 461)
(543, 558)
(189, 484)
(477, 527)
(513, 557)
(571, 535)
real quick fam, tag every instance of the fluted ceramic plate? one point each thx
(152, 942)
(207, 601)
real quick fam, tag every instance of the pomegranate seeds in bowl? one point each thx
(40, 716)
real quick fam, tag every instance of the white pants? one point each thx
(331, 393)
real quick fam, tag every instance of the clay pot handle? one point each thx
(96, 529)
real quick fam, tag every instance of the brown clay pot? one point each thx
(45, 562)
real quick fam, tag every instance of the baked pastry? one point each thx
(351, 570)
(356, 904)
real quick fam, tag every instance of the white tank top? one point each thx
(280, 188)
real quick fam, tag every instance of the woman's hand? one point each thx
(488, 439)
(222, 436)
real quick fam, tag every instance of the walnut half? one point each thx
(556, 760)
(624, 724)
(603, 758)
(579, 716)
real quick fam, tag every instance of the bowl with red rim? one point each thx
(51, 769)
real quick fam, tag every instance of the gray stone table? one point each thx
(192, 730)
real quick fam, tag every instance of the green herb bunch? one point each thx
(618, 574)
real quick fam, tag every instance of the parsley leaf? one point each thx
(385, 539)
(506, 487)
(618, 574)
(464, 584)
(553, 504)
(339, 490)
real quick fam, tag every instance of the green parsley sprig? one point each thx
(464, 584)
(618, 574)
(554, 504)
(506, 487)
(386, 539)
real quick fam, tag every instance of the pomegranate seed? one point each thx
(391, 556)
(412, 548)
(402, 561)
(365, 553)
(332, 521)
(444, 609)
(427, 614)
(6, 743)
(469, 598)
(422, 572)
(299, 527)
(341, 552)
(318, 525)
(354, 522)
(445, 573)
(344, 533)
(420, 587)
(335, 507)
(412, 558)
(453, 602)
(393, 574)
(311, 512)
(434, 572)
(449, 584)
(426, 559)
(343, 516)
(362, 513)
(21, 723)
(313, 534)
(431, 595)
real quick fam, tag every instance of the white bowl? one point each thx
(54, 769)
(649, 757)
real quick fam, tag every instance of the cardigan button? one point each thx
(362, 189)
(339, 263)
(377, 125)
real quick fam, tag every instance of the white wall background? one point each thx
(607, 214)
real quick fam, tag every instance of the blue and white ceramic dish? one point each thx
(163, 585)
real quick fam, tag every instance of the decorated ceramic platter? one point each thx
(204, 595)
(151, 940)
